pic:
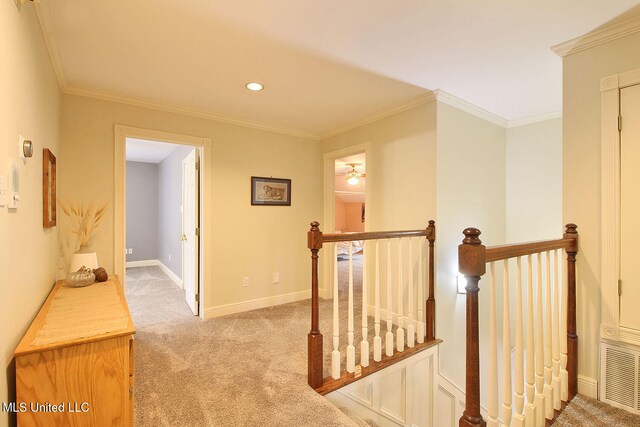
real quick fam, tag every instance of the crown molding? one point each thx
(470, 108)
(186, 111)
(44, 19)
(598, 37)
(421, 100)
(534, 119)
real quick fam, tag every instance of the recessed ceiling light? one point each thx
(254, 86)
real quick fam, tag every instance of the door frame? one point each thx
(610, 328)
(206, 216)
(329, 221)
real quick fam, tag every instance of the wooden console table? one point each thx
(74, 366)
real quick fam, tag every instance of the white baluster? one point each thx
(335, 354)
(530, 409)
(411, 327)
(351, 350)
(364, 344)
(400, 330)
(506, 347)
(377, 341)
(421, 330)
(540, 403)
(492, 408)
(388, 339)
(564, 375)
(519, 416)
(557, 402)
(548, 371)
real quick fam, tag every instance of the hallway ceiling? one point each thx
(324, 65)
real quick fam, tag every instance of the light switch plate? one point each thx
(14, 200)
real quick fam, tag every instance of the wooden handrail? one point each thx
(375, 235)
(472, 259)
(315, 240)
(497, 253)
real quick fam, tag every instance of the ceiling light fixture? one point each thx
(254, 86)
(353, 176)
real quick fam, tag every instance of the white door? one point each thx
(190, 228)
(629, 206)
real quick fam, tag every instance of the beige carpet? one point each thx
(248, 369)
(587, 412)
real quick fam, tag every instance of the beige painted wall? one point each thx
(581, 175)
(401, 176)
(534, 181)
(252, 241)
(29, 105)
(471, 192)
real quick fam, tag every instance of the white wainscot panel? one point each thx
(400, 395)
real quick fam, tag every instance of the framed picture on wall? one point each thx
(270, 191)
(48, 189)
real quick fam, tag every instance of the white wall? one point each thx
(534, 181)
(581, 176)
(29, 105)
(252, 241)
(471, 192)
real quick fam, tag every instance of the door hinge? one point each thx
(619, 123)
(197, 231)
(619, 287)
(198, 165)
(197, 298)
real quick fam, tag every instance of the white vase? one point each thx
(83, 257)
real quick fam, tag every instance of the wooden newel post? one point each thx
(314, 362)
(572, 337)
(471, 263)
(431, 300)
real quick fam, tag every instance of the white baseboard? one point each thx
(144, 263)
(239, 307)
(156, 262)
(588, 387)
(324, 293)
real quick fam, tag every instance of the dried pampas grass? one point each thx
(84, 221)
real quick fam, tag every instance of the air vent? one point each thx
(620, 376)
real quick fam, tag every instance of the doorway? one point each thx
(340, 195)
(162, 221)
(201, 211)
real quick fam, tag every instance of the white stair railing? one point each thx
(368, 357)
(364, 344)
(530, 390)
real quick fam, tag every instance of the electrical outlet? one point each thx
(126, 251)
(245, 281)
(130, 251)
(276, 278)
